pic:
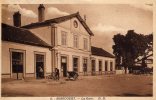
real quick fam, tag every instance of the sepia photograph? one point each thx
(81, 50)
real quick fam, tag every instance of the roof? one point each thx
(59, 20)
(101, 52)
(23, 36)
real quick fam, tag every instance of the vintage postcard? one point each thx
(77, 50)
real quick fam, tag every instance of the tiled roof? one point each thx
(19, 35)
(101, 52)
(59, 20)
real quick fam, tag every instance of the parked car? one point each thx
(72, 75)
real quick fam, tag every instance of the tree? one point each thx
(129, 47)
(149, 40)
(118, 48)
(148, 51)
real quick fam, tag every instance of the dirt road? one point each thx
(108, 85)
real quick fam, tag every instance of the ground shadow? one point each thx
(69, 79)
(150, 84)
(135, 95)
(16, 95)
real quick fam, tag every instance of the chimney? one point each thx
(41, 10)
(17, 19)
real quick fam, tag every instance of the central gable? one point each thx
(61, 20)
(74, 25)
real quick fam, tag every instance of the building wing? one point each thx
(101, 52)
(20, 35)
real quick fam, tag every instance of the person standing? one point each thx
(57, 73)
(40, 72)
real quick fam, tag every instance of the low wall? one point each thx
(120, 72)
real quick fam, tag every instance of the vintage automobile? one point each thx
(72, 75)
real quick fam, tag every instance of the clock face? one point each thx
(75, 24)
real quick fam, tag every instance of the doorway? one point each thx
(85, 66)
(64, 66)
(111, 66)
(106, 65)
(17, 65)
(39, 65)
(100, 67)
(93, 67)
(75, 64)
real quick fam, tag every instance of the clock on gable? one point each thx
(75, 23)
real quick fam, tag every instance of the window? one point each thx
(100, 65)
(85, 44)
(85, 65)
(75, 64)
(75, 41)
(63, 38)
(75, 24)
(93, 70)
(93, 65)
(111, 66)
(106, 65)
(17, 62)
(39, 58)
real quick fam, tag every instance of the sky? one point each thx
(104, 20)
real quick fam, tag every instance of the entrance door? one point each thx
(111, 66)
(106, 65)
(64, 66)
(17, 65)
(75, 64)
(85, 66)
(39, 65)
(100, 67)
(93, 67)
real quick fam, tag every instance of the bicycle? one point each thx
(52, 76)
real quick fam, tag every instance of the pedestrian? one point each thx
(40, 72)
(57, 74)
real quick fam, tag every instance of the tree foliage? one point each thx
(129, 47)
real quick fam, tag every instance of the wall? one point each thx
(68, 27)
(68, 50)
(70, 54)
(43, 32)
(29, 58)
(103, 59)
